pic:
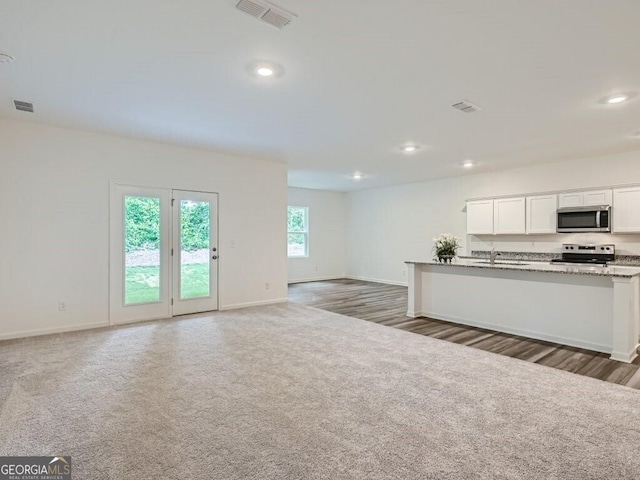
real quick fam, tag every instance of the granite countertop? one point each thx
(537, 266)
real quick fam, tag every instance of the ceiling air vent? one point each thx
(466, 106)
(6, 58)
(277, 18)
(23, 106)
(268, 13)
(254, 9)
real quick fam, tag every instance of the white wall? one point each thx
(327, 235)
(388, 226)
(54, 200)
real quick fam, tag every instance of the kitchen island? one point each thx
(597, 308)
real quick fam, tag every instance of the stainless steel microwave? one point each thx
(595, 218)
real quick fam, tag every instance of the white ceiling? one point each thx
(360, 79)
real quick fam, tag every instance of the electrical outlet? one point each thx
(316, 268)
(404, 273)
(266, 286)
(62, 306)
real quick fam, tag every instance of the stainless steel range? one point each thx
(574, 254)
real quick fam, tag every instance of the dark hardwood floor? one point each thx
(387, 305)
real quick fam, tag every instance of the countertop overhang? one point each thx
(532, 266)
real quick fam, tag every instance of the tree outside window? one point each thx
(298, 231)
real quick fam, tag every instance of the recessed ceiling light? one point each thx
(357, 176)
(265, 69)
(410, 148)
(6, 58)
(618, 98)
(468, 164)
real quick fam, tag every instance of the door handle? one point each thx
(215, 257)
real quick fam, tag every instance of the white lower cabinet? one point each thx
(626, 210)
(480, 217)
(541, 214)
(509, 215)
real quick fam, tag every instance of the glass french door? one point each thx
(163, 252)
(194, 252)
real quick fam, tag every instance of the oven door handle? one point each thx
(598, 218)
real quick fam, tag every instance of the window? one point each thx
(298, 231)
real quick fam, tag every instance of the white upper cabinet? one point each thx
(626, 210)
(541, 213)
(480, 217)
(585, 198)
(537, 214)
(509, 215)
(598, 197)
(573, 199)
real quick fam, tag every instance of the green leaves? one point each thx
(296, 221)
(195, 225)
(142, 223)
(446, 244)
(295, 238)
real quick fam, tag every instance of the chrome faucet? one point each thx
(493, 255)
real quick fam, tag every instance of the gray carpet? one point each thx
(291, 392)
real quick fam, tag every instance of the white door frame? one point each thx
(120, 313)
(200, 304)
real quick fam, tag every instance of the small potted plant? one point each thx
(445, 247)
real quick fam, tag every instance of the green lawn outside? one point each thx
(143, 283)
(195, 280)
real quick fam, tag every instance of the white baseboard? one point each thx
(88, 326)
(596, 347)
(626, 357)
(140, 320)
(253, 304)
(377, 280)
(49, 331)
(315, 279)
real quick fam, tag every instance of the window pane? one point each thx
(296, 245)
(297, 224)
(194, 249)
(296, 219)
(142, 250)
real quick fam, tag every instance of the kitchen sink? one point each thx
(497, 262)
